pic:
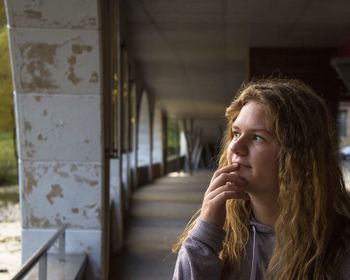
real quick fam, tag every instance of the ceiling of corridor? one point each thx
(193, 53)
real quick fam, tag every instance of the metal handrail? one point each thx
(40, 256)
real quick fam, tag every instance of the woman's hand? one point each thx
(224, 185)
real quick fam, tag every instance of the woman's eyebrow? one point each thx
(257, 129)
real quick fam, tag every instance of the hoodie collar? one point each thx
(261, 228)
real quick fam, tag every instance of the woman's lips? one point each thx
(241, 164)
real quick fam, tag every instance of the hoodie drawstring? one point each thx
(254, 260)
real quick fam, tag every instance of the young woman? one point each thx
(276, 208)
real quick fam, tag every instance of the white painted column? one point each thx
(157, 151)
(56, 57)
(144, 134)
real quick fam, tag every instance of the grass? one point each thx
(8, 195)
(8, 161)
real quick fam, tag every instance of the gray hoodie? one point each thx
(198, 256)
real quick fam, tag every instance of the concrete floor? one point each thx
(160, 212)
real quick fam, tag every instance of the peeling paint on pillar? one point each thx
(79, 48)
(73, 168)
(27, 126)
(56, 61)
(94, 78)
(61, 195)
(33, 13)
(29, 148)
(71, 75)
(31, 180)
(80, 179)
(56, 191)
(60, 127)
(37, 98)
(56, 169)
(38, 222)
(35, 72)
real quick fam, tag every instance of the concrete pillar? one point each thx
(56, 59)
(157, 135)
(133, 129)
(144, 160)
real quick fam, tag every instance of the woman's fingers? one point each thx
(224, 178)
(228, 187)
(214, 210)
(226, 169)
(225, 184)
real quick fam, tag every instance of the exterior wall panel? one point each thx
(55, 61)
(73, 14)
(59, 128)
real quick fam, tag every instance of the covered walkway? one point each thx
(112, 95)
(159, 213)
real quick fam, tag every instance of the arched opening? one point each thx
(144, 161)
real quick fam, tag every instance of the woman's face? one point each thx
(255, 149)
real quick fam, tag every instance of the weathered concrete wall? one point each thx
(56, 57)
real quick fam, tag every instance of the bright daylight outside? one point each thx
(9, 199)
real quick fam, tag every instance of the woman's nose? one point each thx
(239, 146)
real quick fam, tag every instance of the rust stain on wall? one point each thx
(75, 210)
(72, 60)
(79, 48)
(37, 58)
(73, 168)
(41, 137)
(46, 169)
(60, 173)
(88, 21)
(56, 191)
(29, 148)
(98, 213)
(32, 14)
(31, 181)
(84, 214)
(38, 222)
(27, 126)
(81, 179)
(58, 221)
(94, 78)
(91, 206)
(37, 98)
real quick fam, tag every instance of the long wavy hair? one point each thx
(312, 195)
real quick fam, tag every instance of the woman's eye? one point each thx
(258, 138)
(235, 135)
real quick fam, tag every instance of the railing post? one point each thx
(43, 267)
(62, 247)
(40, 256)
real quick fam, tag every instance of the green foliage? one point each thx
(173, 142)
(2, 14)
(8, 195)
(6, 104)
(8, 162)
